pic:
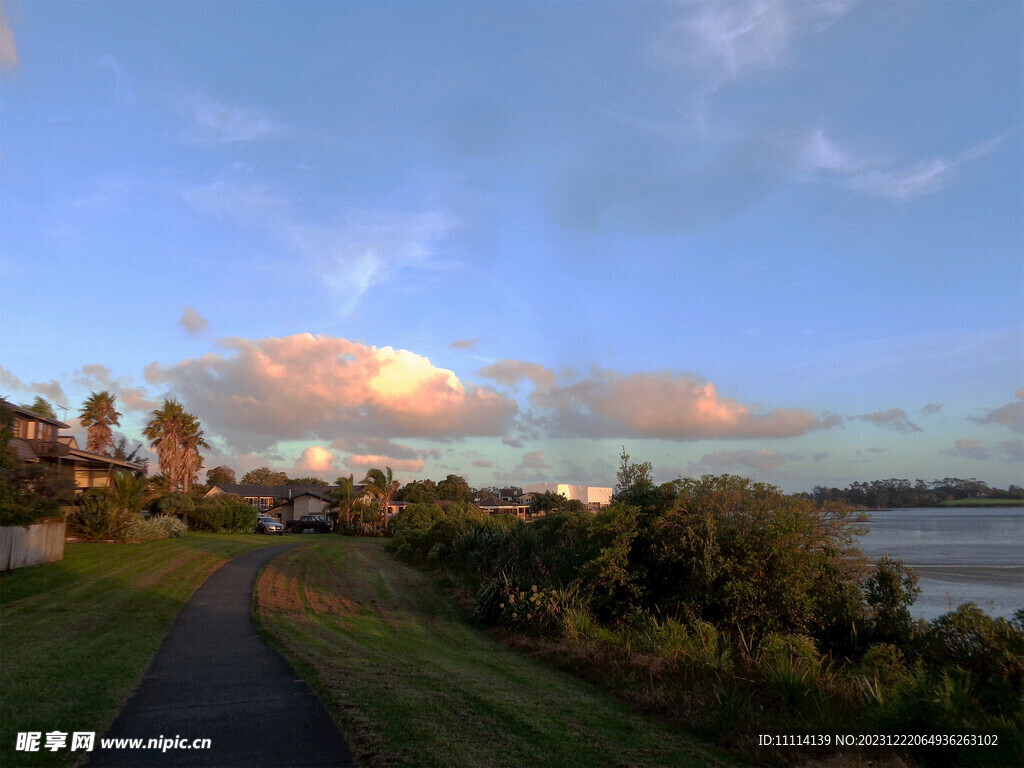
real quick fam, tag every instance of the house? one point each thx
(593, 498)
(37, 439)
(493, 505)
(290, 502)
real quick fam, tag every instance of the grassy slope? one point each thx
(77, 635)
(983, 503)
(413, 683)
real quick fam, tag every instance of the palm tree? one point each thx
(130, 492)
(382, 486)
(98, 413)
(176, 436)
(341, 497)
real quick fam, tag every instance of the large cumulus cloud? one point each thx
(662, 405)
(307, 387)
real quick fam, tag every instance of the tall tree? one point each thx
(176, 436)
(264, 476)
(220, 476)
(454, 488)
(381, 484)
(42, 407)
(98, 413)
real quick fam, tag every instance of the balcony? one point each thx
(49, 448)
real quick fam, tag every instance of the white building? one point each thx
(592, 497)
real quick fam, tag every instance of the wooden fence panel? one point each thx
(41, 542)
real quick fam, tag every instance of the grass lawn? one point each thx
(413, 683)
(983, 503)
(77, 635)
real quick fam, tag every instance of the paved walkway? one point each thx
(215, 678)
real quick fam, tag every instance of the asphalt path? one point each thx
(214, 677)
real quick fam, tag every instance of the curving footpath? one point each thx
(215, 678)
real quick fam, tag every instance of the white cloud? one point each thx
(217, 123)
(352, 252)
(822, 159)
(726, 41)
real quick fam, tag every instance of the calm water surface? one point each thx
(960, 554)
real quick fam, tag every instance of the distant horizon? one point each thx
(503, 240)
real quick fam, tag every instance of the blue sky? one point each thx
(782, 240)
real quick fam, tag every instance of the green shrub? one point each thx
(158, 527)
(223, 514)
(99, 518)
(503, 601)
(179, 505)
(890, 591)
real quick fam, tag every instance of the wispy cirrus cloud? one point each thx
(722, 42)
(216, 123)
(350, 253)
(822, 159)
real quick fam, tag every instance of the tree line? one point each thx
(896, 493)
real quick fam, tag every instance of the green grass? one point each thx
(77, 635)
(983, 503)
(411, 682)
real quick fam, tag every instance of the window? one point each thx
(266, 502)
(252, 501)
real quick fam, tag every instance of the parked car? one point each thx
(267, 524)
(310, 524)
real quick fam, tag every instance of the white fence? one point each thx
(41, 542)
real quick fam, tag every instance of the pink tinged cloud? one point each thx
(192, 321)
(8, 50)
(305, 386)
(316, 458)
(666, 406)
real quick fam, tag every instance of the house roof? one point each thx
(25, 413)
(494, 501)
(283, 492)
(100, 458)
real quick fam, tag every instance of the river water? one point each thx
(960, 554)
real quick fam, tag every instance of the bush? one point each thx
(99, 518)
(890, 591)
(159, 527)
(177, 505)
(223, 514)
